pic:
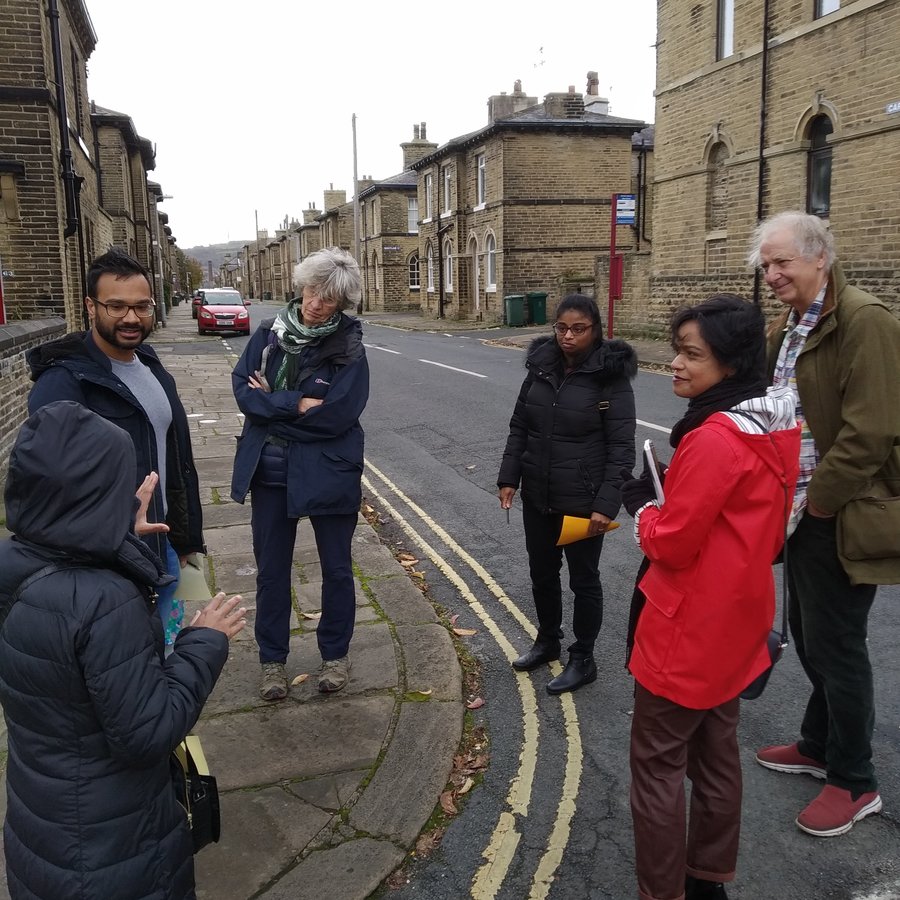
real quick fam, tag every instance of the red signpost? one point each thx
(622, 213)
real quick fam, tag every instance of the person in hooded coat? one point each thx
(92, 708)
(571, 432)
(706, 595)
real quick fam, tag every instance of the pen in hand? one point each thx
(507, 515)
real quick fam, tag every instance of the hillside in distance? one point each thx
(215, 254)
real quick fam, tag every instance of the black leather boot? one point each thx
(698, 889)
(579, 670)
(542, 652)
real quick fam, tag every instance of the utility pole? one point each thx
(259, 296)
(362, 304)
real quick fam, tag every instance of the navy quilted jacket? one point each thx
(91, 707)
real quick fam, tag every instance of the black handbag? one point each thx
(196, 791)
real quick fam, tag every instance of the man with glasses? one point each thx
(109, 370)
(838, 348)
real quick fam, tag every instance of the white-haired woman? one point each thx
(302, 383)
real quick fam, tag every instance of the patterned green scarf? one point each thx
(293, 336)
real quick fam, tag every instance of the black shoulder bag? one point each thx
(195, 789)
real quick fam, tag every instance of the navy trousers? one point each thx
(274, 536)
(829, 622)
(545, 563)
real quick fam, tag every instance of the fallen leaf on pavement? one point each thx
(477, 703)
(417, 574)
(464, 632)
(419, 695)
(405, 554)
(448, 805)
(317, 615)
(453, 619)
(408, 563)
(468, 784)
(428, 841)
(300, 679)
(470, 467)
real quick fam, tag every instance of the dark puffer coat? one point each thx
(570, 435)
(91, 707)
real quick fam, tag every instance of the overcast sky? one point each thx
(250, 105)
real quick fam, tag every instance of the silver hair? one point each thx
(811, 236)
(333, 273)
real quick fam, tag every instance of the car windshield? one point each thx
(223, 298)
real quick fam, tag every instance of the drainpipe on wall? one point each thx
(68, 172)
(761, 175)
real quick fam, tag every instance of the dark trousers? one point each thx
(829, 621)
(274, 536)
(545, 563)
(669, 741)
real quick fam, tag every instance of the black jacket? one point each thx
(570, 435)
(92, 709)
(74, 368)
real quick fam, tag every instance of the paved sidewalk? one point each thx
(321, 795)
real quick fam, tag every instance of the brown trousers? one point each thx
(669, 741)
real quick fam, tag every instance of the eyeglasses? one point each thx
(118, 309)
(577, 329)
(327, 302)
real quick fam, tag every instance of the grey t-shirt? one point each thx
(150, 394)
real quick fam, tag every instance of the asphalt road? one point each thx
(552, 813)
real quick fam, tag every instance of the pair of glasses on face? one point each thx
(578, 329)
(118, 309)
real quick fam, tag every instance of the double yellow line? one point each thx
(501, 848)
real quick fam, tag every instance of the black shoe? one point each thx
(579, 670)
(539, 654)
(698, 889)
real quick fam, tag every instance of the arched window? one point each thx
(412, 265)
(448, 265)
(377, 271)
(818, 178)
(490, 249)
(429, 266)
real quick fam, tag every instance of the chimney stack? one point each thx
(417, 148)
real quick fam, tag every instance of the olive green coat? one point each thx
(848, 378)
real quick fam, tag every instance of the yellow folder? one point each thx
(575, 528)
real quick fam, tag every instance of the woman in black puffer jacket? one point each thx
(92, 707)
(571, 433)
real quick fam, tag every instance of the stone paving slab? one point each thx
(292, 740)
(426, 732)
(352, 869)
(265, 828)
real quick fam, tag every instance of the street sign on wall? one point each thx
(625, 209)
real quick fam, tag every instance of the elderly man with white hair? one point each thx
(839, 349)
